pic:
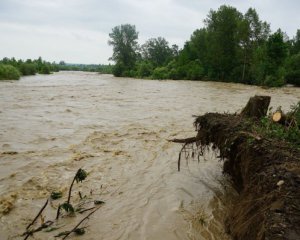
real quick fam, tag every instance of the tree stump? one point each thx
(256, 107)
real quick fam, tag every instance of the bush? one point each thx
(160, 73)
(276, 80)
(293, 77)
(45, 69)
(144, 69)
(27, 69)
(8, 72)
(118, 70)
(194, 71)
(293, 70)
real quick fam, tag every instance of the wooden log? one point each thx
(256, 107)
(279, 117)
(284, 119)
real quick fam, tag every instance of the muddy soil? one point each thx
(265, 172)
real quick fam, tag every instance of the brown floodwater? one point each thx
(117, 130)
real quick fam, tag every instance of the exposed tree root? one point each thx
(265, 172)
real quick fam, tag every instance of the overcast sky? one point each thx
(76, 31)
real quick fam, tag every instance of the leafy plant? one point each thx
(80, 175)
(67, 207)
(56, 195)
(286, 132)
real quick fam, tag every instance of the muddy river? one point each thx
(117, 130)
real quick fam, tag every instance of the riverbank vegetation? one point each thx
(231, 47)
(12, 69)
(101, 68)
(8, 72)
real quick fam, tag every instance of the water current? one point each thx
(117, 130)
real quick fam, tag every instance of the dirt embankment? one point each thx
(265, 172)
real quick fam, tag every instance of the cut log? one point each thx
(279, 117)
(283, 119)
(256, 107)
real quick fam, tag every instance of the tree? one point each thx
(123, 38)
(222, 27)
(252, 34)
(295, 48)
(157, 51)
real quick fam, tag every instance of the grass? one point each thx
(289, 132)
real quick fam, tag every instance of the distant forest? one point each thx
(231, 47)
(12, 69)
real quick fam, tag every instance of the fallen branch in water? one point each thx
(76, 227)
(179, 157)
(79, 177)
(67, 206)
(40, 212)
(44, 225)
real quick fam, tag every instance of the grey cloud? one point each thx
(85, 24)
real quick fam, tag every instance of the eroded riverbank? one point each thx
(116, 129)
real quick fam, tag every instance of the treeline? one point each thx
(101, 68)
(231, 47)
(12, 69)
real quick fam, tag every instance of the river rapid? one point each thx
(117, 130)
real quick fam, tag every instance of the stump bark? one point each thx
(256, 107)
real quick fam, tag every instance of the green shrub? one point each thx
(27, 69)
(290, 133)
(144, 69)
(8, 72)
(293, 77)
(118, 70)
(276, 80)
(45, 69)
(194, 71)
(160, 73)
(293, 70)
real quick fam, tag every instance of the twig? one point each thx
(179, 157)
(40, 212)
(88, 209)
(79, 193)
(80, 223)
(70, 189)
(58, 212)
(44, 225)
